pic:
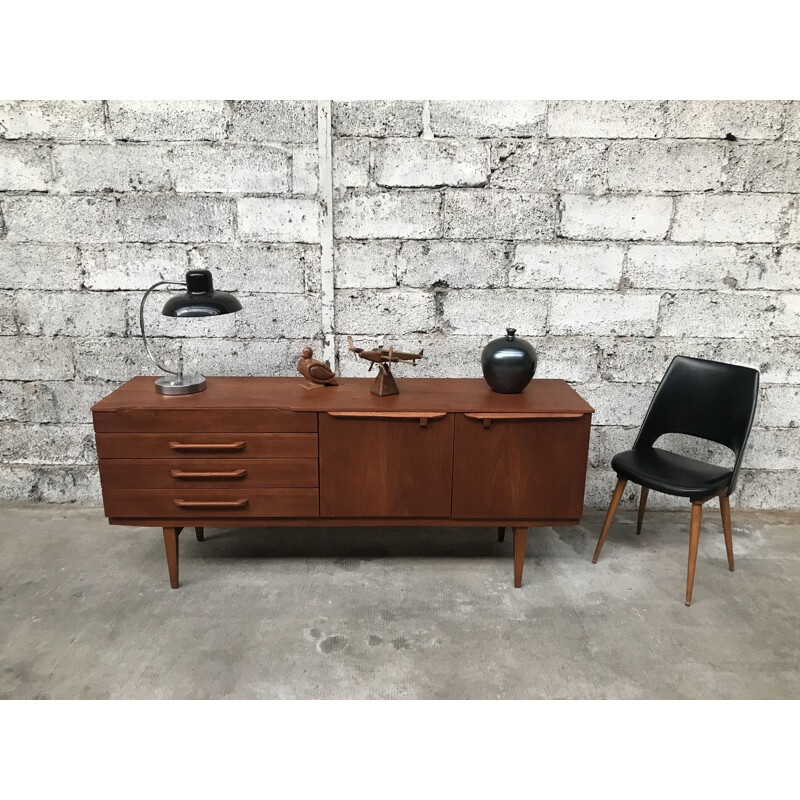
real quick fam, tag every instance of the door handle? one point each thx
(182, 475)
(422, 416)
(488, 418)
(211, 503)
(219, 447)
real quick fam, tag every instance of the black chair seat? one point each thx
(671, 473)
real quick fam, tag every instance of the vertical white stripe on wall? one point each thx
(326, 230)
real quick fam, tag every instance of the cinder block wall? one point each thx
(614, 235)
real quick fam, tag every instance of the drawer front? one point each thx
(207, 445)
(168, 420)
(210, 503)
(206, 473)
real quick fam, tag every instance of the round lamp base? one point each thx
(185, 384)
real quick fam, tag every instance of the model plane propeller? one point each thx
(384, 383)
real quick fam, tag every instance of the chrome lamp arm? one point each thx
(179, 372)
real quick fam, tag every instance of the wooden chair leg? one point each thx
(725, 510)
(520, 540)
(694, 540)
(642, 506)
(612, 509)
(171, 546)
(501, 534)
(200, 535)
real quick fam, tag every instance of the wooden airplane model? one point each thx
(384, 383)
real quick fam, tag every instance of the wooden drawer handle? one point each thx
(217, 446)
(211, 503)
(487, 419)
(422, 416)
(181, 475)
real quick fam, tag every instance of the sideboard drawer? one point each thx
(210, 503)
(206, 473)
(207, 445)
(169, 419)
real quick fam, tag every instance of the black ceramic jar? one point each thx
(508, 363)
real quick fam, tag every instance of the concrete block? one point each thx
(773, 449)
(120, 359)
(51, 401)
(387, 215)
(768, 489)
(274, 121)
(427, 162)
(24, 167)
(365, 265)
(490, 214)
(618, 403)
(606, 119)
(642, 166)
(351, 160)
(791, 130)
(269, 357)
(231, 169)
(312, 275)
(768, 267)
(278, 219)
(111, 168)
(602, 314)
(8, 315)
(388, 312)
(560, 166)
(175, 327)
(730, 217)
(254, 267)
(29, 443)
(61, 219)
(305, 169)
(787, 315)
(70, 313)
(568, 358)
(488, 118)
(717, 315)
(168, 120)
(718, 119)
(31, 266)
(272, 316)
(779, 407)
(491, 311)
(73, 120)
(685, 266)
(567, 266)
(377, 118)
(612, 217)
(764, 167)
(608, 440)
(132, 266)
(32, 358)
(447, 264)
(170, 218)
(50, 484)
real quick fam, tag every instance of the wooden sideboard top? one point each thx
(542, 396)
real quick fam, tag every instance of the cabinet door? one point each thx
(520, 468)
(385, 466)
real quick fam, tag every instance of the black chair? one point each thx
(706, 399)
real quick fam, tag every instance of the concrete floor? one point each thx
(86, 611)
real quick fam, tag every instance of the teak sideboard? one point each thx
(267, 452)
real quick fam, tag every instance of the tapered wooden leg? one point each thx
(199, 533)
(501, 534)
(642, 506)
(612, 509)
(171, 546)
(694, 540)
(520, 540)
(725, 510)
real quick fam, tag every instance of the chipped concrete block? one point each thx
(764, 167)
(643, 166)
(61, 219)
(717, 315)
(497, 214)
(603, 314)
(24, 167)
(267, 357)
(718, 119)
(30, 443)
(567, 358)
(567, 266)
(773, 449)
(8, 315)
(792, 125)
(618, 403)
(448, 264)
(70, 313)
(387, 312)
(51, 401)
(768, 489)
(769, 267)
(606, 119)
(488, 118)
(305, 169)
(33, 358)
(229, 169)
(684, 266)
(274, 121)
(403, 214)
(75, 120)
(491, 311)
(779, 407)
(278, 219)
(111, 168)
(425, 162)
(377, 118)
(254, 267)
(50, 484)
(365, 265)
(351, 163)
(32, 266)
(730, 217)
(132, 266)
(168, 120)
(787, 315)
(170, 218)
(120, 359)
(614, 217)
(273, 316)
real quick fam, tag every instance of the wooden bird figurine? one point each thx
(316, 373)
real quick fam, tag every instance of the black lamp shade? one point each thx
(200, 300)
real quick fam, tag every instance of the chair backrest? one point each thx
(707, 399)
